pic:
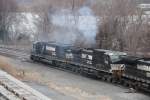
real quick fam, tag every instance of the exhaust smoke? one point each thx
(80, 28)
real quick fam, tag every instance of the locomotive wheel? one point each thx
(73, 69)
(53, 62)
(109, 79)
(80, 71)
(33, 58)
(104, 78)
(77, 70)
(121, 81)
(137, 86)
(114, 80)
(126, 84)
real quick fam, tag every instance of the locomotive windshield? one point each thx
(116, 56)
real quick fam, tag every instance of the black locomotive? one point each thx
(112, 66)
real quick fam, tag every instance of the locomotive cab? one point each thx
(37, 50)
(110, 61)
(117, 65)
(116, 61)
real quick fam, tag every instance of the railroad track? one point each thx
(2, 97)
(7, 95)
(17, 53)
(22, 54)
(13, 89)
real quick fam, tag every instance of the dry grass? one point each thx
(8, 67)
(30, 75)
(19, 73)
(4, 65)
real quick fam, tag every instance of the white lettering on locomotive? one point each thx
(143, 67)
(50, 48)
(89, 62)
(90, 57)
(86, 56)
(117, 67)
(53, 53)
(69, 55)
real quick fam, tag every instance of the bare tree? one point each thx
(122, 26)
(6, 7)
(44, 10)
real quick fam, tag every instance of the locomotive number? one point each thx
(117, 67)
(50, 48)
(89, 62)
(86, 56)
(69, 56)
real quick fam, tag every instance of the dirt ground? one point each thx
(60, 85)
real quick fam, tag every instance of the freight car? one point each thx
(112, 66)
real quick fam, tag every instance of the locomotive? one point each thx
(112, 66)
